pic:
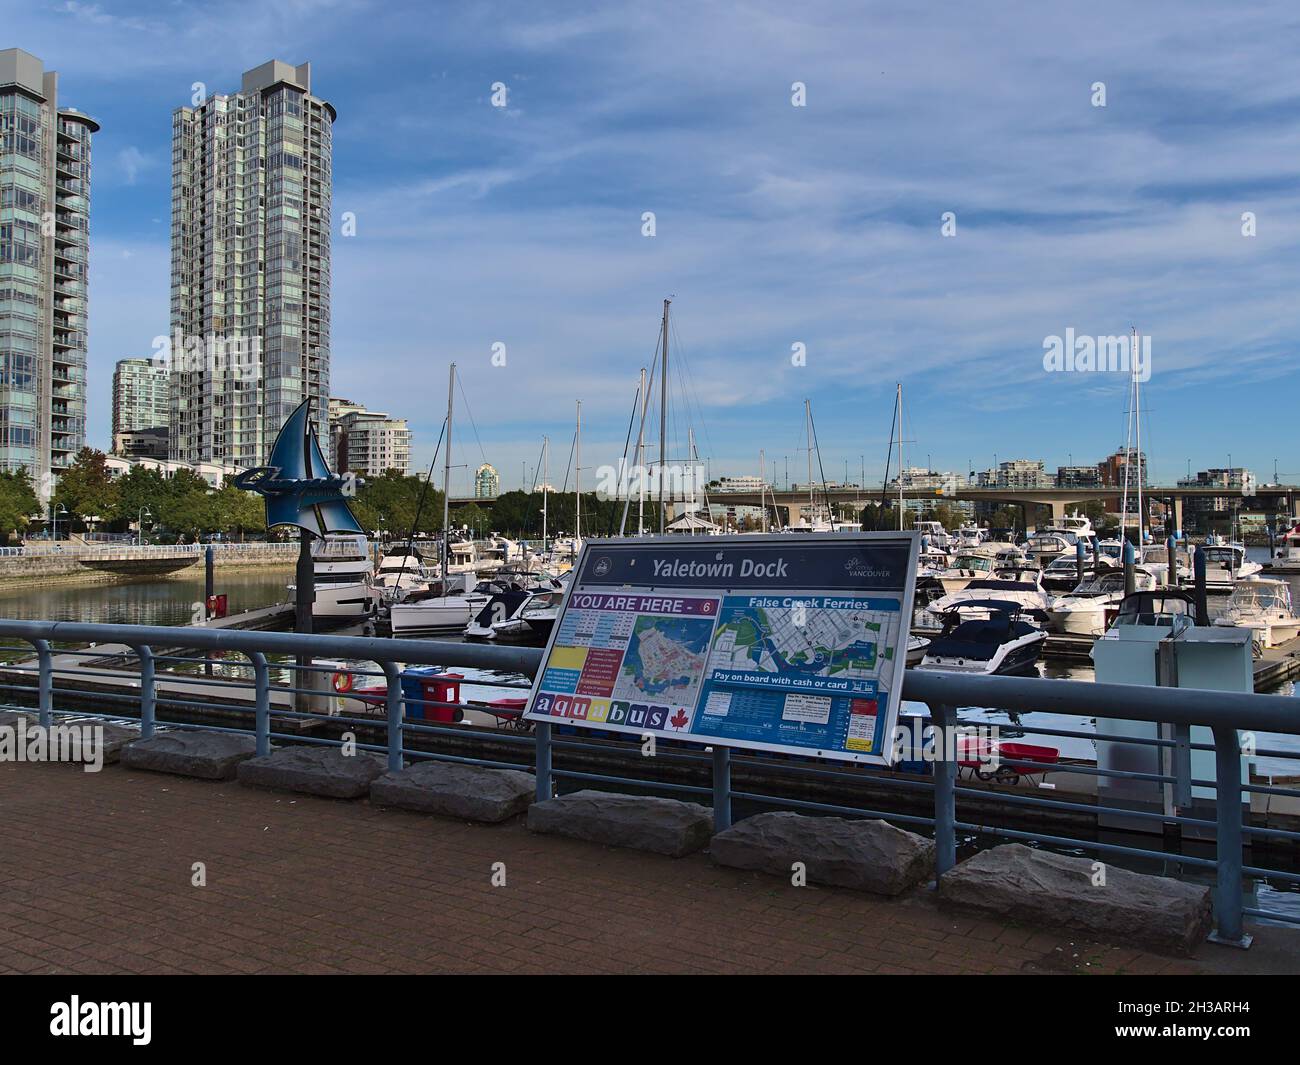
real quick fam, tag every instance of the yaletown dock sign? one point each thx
(792, 642)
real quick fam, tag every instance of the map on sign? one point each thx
(664, 659)
(782, 643)
(803, 639)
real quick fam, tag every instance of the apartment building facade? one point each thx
(250, 287)
(44, 262)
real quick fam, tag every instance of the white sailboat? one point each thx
(449, 605)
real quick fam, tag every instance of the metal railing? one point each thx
(185, 677)
(68, 549)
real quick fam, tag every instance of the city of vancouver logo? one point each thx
(603, 565)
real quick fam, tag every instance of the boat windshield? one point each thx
(1231, 555)
(979, 563)
(1261, 596)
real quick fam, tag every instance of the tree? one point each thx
(86, 488)
(18, 502)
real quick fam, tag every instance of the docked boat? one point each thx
(985, 636)
(1062, 573)
(532, 623)
(342, 572)
(399, 573)
(1086, 610)
(1262, 604)
(1013, 582)
(916, 648)
(446, 605)
(933, 534)
(973, 563)
(1286, 558)
(1225, 564)
(500, 617)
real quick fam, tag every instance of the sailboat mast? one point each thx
(900, 456)
(807, 419)
(640, 458)
(1137, 404)
(577, 481)
(546, 444)
(663, 419)
(446, 477)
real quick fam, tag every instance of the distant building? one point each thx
(921, 479)
(140, 396)
(1237, 483)
(215, 474)
(746, 483)
(44, 179)
(487, 482)
(1017, 474)
(367, 442)
(1078, 477)
(141, 443)
(1113, 467)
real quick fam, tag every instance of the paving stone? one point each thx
(1041, 887)
(665, 826)
(470, 792)
(314, 770)
(866, 855)
(207, 755)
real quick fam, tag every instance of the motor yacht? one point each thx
(342, 570)
(1225, 564)
(1262, 604)
(1014, 582)
(446, 605)
(1088, 608)
(401, 571)
(916, 648)
(1286, 558)
(985, 636)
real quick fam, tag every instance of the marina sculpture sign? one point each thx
(297, 484)
(792, 643)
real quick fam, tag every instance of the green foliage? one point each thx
(18, 502)
(86, 489)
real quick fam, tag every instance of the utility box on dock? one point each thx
(1173, 654)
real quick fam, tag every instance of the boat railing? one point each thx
(284, 688)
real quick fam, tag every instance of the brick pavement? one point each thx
(95, 877)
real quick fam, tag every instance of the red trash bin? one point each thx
(422, 685)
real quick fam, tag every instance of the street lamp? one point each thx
(54, 522)
(139, 534)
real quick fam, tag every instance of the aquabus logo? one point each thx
(133, 1019)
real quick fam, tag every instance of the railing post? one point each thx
(1228, 891)
(944, 720)
(262, 688)
(44, 682)
(394, 704)
(148, 691)
(721, 788)
(542, 736)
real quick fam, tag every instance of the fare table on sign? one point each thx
(793, 642)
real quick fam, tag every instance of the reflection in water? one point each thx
(151, 601)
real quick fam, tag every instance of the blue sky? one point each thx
(775, 224)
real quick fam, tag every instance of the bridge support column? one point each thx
(1177, 504)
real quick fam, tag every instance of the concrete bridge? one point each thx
(1267, 499)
